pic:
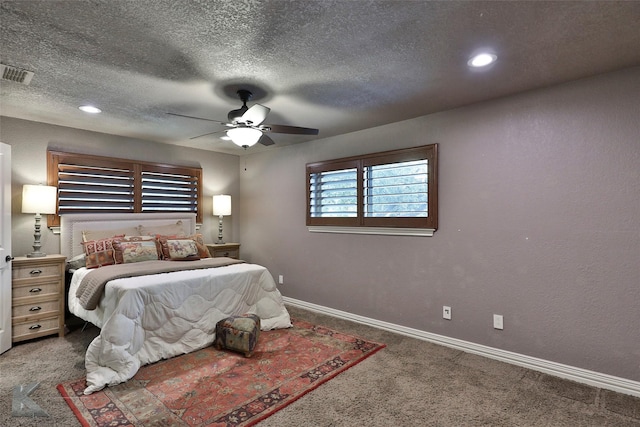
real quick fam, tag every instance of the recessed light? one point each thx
(482, 60)
(90, 109)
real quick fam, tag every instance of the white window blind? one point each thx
(334, 193)
(83, 189)
(167, 192)
(397, 189)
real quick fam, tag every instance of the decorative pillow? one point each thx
(168, 230)
(76, 262)
(159, 238)
(135, 249)
(140, 238)
(89, 235)
(99, 252)
(203, 250)
(178, 249)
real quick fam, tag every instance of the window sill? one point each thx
(386, 231)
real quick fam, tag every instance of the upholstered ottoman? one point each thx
(238, 333)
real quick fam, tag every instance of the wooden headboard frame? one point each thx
(72, 225)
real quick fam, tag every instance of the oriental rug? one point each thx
(220, 388)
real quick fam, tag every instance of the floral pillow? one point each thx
(178, 248)
(135, 249)
(203, 251)
(100, 252)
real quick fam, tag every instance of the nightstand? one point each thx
(37, 302)
(231, 250)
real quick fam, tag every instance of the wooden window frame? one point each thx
(429, 152)
(55, 158)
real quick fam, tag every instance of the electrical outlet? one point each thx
(446, 312)
(281, 279)
(498, 321)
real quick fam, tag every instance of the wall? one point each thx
(539, 221)
(30, 140)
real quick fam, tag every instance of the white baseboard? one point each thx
(573, 373)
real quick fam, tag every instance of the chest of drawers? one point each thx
(37, 300)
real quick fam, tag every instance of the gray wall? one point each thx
(30, 140)
(539, 221)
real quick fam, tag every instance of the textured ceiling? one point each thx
(339, 66)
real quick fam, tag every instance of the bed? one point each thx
(150, 317)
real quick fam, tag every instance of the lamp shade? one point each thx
(39, 199)
(221, 205)
(244, 136)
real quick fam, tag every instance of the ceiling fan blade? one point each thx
(296, 130)
(236, 115)
(255, 115)
(193, 117)
(205, 134)
(266, 140)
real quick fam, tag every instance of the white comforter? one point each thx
(149, 318)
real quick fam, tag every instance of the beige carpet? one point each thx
(409, 383)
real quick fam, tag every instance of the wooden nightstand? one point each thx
(231, 250)
(37, 301)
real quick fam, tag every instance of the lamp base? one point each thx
(220, 241)
(36, 255)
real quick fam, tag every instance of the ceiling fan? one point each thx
(246, 124)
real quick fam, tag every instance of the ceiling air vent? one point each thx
(14, 74)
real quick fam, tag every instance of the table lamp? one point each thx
(38, 199)
(221, 207)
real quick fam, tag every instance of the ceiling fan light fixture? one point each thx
(244, 136)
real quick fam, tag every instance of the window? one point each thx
(397, 189)
(393, 189)
(88, 184)
(333, 193)
(166, 190)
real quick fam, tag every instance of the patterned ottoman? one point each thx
(238, 333)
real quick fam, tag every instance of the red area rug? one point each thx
(221, 388)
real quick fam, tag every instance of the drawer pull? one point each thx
(226, 254)
(35, 308)
(33, 327)
(35, 290)
(34, 272)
